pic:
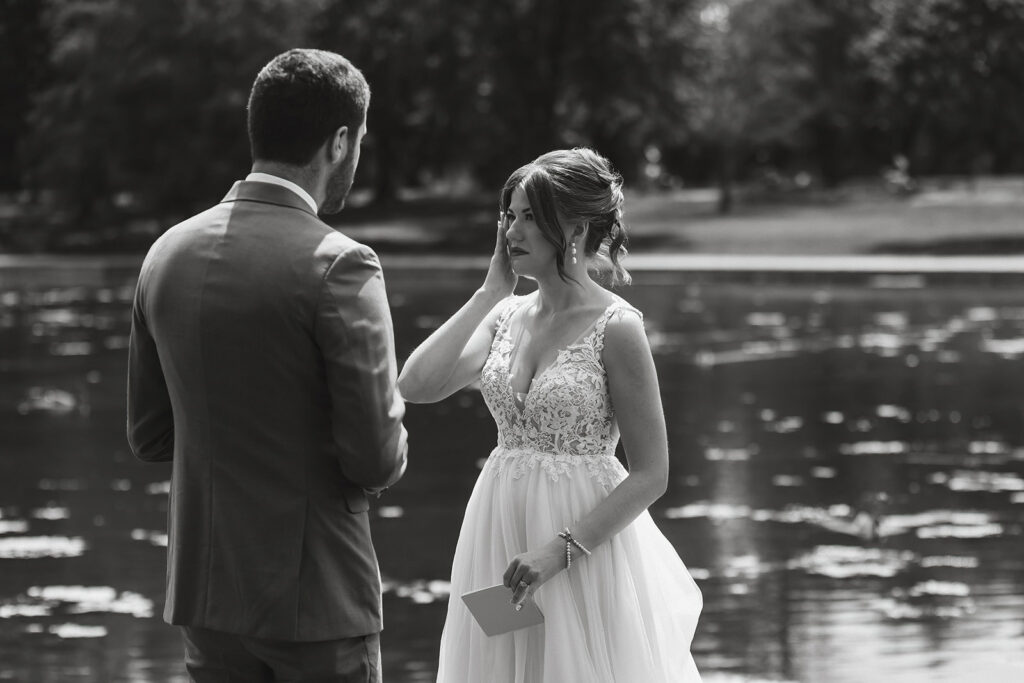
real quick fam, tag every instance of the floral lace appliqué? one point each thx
(567, 418)
(605, 469)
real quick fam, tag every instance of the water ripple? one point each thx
(44, 601)
(421, 591)
(28, 547)
(978, 480)
(156, 538)
(844, 562)
(48, 400)
(77, 631)
(13, 526)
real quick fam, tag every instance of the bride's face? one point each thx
(531, 253)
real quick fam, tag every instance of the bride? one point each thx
(554, 515)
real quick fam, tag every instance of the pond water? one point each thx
(847, 477)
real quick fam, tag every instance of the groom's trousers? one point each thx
(217, 657)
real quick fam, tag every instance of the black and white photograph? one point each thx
(518, 341)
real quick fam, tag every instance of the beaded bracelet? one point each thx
(569, 543)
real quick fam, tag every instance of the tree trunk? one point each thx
(826, 148)
(726, 176)
(386, 173)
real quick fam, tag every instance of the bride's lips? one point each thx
(516, 251)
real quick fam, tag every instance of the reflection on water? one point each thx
(847, 478)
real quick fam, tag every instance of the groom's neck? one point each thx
(305, 177)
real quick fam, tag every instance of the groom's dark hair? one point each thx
(299, 99)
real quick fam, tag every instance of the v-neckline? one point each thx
(578, 341)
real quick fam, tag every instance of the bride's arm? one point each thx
(633, 384)
(454, 354)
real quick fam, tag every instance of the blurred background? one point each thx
(826, 206)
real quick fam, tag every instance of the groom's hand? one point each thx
(530, 570)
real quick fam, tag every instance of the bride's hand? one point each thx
(530, 570)
(500, 280)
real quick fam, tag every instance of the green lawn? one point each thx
(858, 227)
(987, 218)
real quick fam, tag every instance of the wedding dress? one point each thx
(625, 614)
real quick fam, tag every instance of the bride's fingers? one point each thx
(509, 573)
(519, 595)
(501, 242)
(517, 574)
(517, 577)
(524, 584)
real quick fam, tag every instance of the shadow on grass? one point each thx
(654, 243)
(462, 226)
(428, 208)
(956, 246)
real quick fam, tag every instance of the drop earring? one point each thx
(574, 260)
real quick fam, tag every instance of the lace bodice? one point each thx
(567, 416)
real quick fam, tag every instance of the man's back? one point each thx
(274, 393)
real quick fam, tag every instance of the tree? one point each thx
(838, 131)
(414, 56)
(487, 86)
(147, 102)
(601, 73)
(629, 65)
(951, 74)
(24, 50)
(755, 85)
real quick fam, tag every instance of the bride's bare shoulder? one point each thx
(624, 334)
(620, 308)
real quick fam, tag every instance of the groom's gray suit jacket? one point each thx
(262, 364)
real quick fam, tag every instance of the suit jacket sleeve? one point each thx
(150, 418)
(355, 336)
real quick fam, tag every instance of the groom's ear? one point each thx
(337, 145)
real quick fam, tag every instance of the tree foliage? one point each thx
(952, 77)
(23, 58)
(140, 104)
(754, 87)
(147, 99)
(483, 86)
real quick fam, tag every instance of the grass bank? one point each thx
(945, 217)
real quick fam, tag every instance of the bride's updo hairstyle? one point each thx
(568, 187)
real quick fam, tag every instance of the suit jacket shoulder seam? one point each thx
(323, 279)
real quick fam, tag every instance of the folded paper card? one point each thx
(496, 615)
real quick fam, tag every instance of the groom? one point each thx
(262, 365)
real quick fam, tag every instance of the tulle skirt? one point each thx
(626, 614)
